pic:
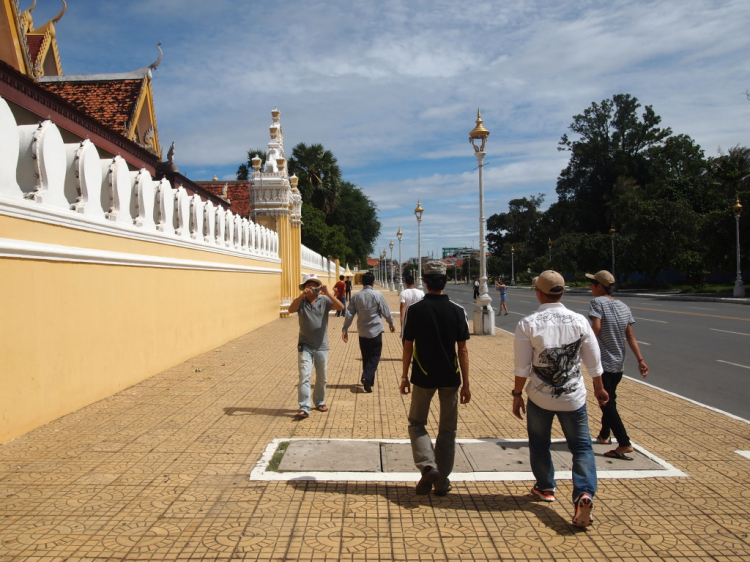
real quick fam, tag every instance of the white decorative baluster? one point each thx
(182, 213)
(85, 178)
(142, 204)
(219, 221)
(228, 229)
(165, 200)
(197, 226)
(42, 163)
(9, 146)
(209, 223)
(117, 185)
(245, 235)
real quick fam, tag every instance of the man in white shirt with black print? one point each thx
(549, 347)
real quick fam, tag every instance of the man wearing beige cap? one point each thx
(549, 347)
(612, 323)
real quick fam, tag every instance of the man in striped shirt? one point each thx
(612, 323)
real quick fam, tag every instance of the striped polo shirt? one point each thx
(616, 317)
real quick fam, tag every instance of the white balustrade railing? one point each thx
(43, 177)
(313, 260)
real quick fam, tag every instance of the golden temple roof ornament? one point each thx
(478, 133)
(154, 65)
(59, 16)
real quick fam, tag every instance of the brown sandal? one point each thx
(322, 408)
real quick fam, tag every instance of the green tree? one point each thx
(612, 142)
(358, 216)
(518, 225)
(470, 268)
(494, 267)
(319, 176)
(244, 170)
(328, 241)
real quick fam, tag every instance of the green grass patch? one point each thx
(273, 466)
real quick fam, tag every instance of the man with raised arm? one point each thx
(312, 309)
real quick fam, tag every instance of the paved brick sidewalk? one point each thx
(160, 472)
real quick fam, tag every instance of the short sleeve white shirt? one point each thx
(549, 346)
(409, 296)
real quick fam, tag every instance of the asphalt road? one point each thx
(699, 350)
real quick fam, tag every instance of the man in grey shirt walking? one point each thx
(312, 346)
(368, 305)
(612, 323)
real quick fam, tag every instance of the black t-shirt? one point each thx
(435, 324)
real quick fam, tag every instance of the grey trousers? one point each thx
(442, 455)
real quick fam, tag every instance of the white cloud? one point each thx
(392, 87)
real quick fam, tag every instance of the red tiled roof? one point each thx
(372, 262)
(35, 44)
(111, 102)
(238, 193)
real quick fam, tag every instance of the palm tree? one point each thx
(319, 175)
(243, 172)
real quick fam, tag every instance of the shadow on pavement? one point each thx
(456, 500)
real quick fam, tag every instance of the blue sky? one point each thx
(392, 87)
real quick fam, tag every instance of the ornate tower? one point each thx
(272, 197)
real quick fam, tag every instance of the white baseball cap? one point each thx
(309, 277)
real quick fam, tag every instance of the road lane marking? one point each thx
(650, 320)
(733, 416)
(735, 364)
(642, 342)
(681, 312)
(728, 332)
(699, 308)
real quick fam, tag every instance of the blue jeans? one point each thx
(575, 426)
(341, 312)
(305, 361)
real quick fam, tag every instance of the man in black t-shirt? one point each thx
(434, 328)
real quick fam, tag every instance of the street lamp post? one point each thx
(418, 213)
(512, 266)
(390, 269)
(739, 289)
(484, 318)
(385, 272)
(549, 246)
(612, 237)
(399, 234)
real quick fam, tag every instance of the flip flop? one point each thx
(600, 441)
(322, 408)
(613, 454)
(301, 415)
(443, 491)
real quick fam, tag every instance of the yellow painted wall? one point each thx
(74, 333)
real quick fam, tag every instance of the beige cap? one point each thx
(550, 283)
(602, 277)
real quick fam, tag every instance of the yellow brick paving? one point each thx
(160, 472)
